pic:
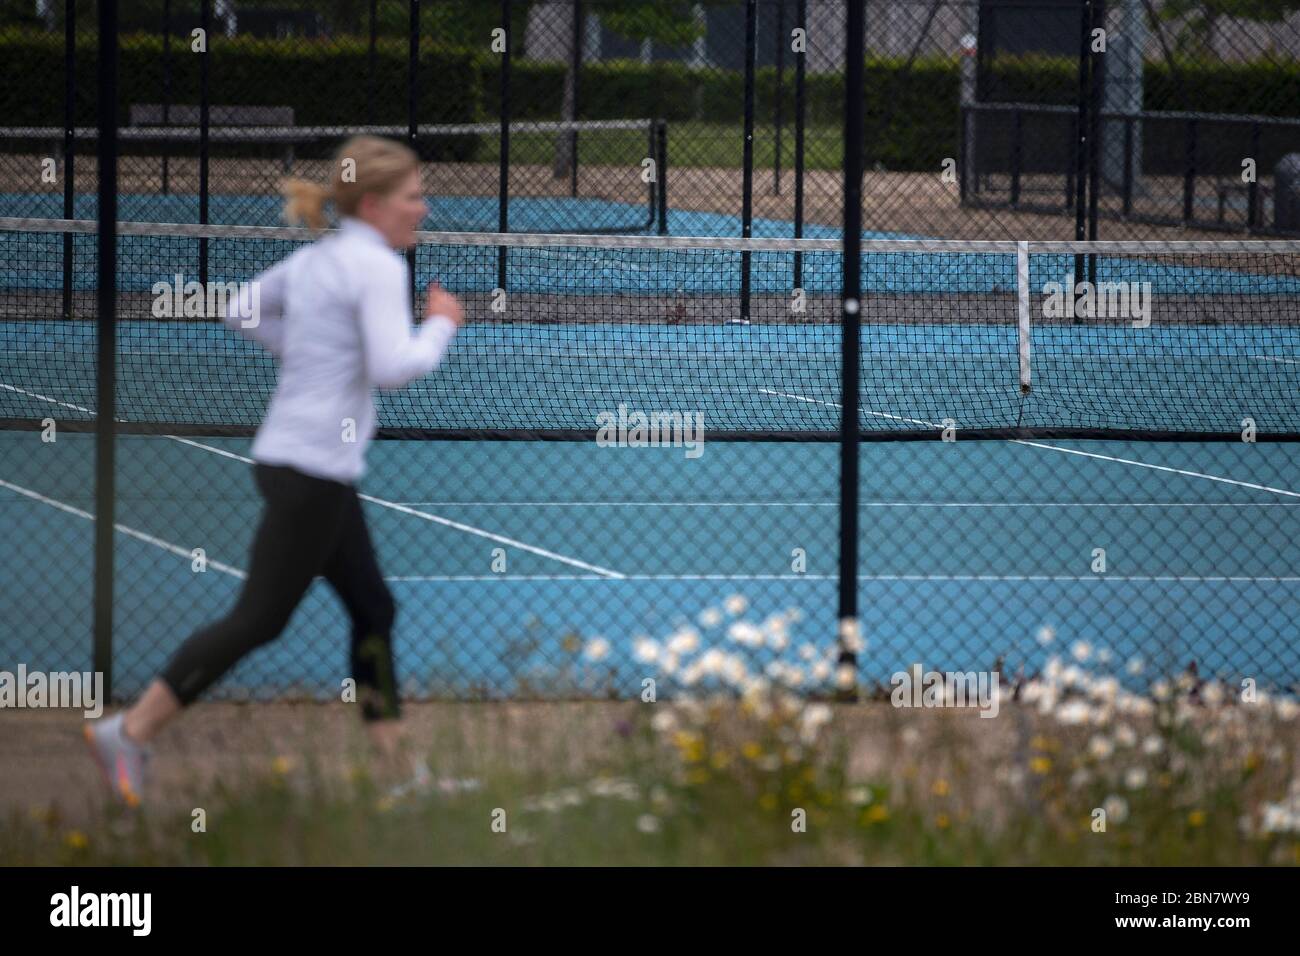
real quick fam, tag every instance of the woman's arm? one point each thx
(395, 353)
(257, 312)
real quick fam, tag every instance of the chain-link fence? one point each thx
(1082, 509)
(978, 113)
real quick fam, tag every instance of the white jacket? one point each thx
(337, 314)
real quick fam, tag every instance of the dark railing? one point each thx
(1008, 145)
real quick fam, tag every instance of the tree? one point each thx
(670, 22)
(1199, 18)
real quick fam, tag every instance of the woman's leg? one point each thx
(353, 571)
(297, 533)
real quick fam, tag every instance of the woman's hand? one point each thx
(442, 302)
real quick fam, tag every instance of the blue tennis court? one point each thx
(509, 559)
(969, 551)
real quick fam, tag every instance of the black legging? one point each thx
(310, 526)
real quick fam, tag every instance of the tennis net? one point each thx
(1195, 340)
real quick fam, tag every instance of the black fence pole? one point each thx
(661, 174)
(370, 62)
(1071, 169)
(851, 317)
(106, 330)
(1128, 166)
(799, 109)
(780, 92)
(1081, 139)
(576, 67)
(1189, 170)
(1094, 128)
(205, 23)
(963, 151)
(413, 110)
(747, 184)
(167, 91)
(503, 170)
(1017, 145)
(69, 144)
(652, 153)
(1252, 190)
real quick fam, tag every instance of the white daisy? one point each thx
(1100, 748)
(745, 634)
(645, 650)
(685, 641)
(1116, 808)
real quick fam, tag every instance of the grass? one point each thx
(690, 143)
(727, 759)
(727, 780)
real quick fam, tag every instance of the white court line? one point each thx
(1070, 451)
(861, 504)
(456, 578)
(124, 529)
(626, 504)
(914, 578)
(45, 398)
(1165, 468)
(1274, 358)
(436, 519)
(1131, 578)
(818, 401)
(907, 578)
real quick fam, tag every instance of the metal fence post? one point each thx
(106, 331)
(849, 633)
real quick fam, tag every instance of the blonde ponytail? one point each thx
(304, 202)
(363, 164)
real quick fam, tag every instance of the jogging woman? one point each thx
(337, 315)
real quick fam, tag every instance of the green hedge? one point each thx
(912, 111)
(324, 81)
(1269, 88)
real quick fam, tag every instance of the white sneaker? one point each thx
(123, 762)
